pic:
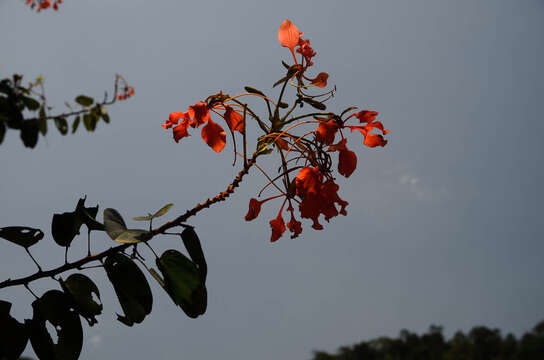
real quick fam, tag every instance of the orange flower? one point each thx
(214, 135)
(200, 113)
(366, 116)
(347, 160)
(294, 226)
(254, 209)
(234, 120)
(278, 228)
(289, 35)
(306, 51)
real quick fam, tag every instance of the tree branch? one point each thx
(176, 222)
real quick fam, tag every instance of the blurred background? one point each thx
(444, 224)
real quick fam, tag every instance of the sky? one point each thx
(444, 223)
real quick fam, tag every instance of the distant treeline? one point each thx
(480, 343)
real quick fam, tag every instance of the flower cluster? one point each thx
(308, 154)
(198, 114)
(128, 91)
(43, 4)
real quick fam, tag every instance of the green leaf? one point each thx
(183, 282)
(29, 132)
(117, 230)
(316, 104)
(160, 212)
(75, 124)
(131, 287)
(194, 248)
(21, 235)
(252, 90)
(30, 103)
(81, 289)
(62, 125)
(84, 100)
(14, 335)
(57, 308)
(90, 120)
(106, 118)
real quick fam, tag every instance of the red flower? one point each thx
(254, 209)
(214, 135)
(326, 131)
(347, 160)
(200, 113)
(278, 228)
(366, 116)
(294, 226)
(180, 131)
(320, 80)
(234, 120)
(306, 51)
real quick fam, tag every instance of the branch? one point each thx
(176, 222)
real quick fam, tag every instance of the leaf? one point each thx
(81, 289)
(252, 90)
(194, 248)
(29, 132)
(65, 227)
(131, 287)
(84, 100)
(30, 103)
(285, 65)
(90, 120)
(57, 308)
(43, 125)
(75, 124)
(160, 212)
(348, 109)
(21, 235)
(88, 215)
(13, 334)
(62, 125)
(117, 230)
(183, 282)
(106, 118)
(2, 131)
(316, 104)
(283, 105)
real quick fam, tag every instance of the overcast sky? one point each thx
(444, 224)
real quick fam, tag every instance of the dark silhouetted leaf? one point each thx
(21, 235)
(285, 64)
(88, 215)
(57, 308)
(348, 109)
(131, 287)
(30, 103)
(106, 118)
(43, 125)
(13, 334)
(65, 227)
(160, 212)
(252, 90)
(29, 132)
(194, 248)
(75, 124)
(81, 289)
(117, 230)
(90, 120)
(2, 131)
(316, 104)
(283, 105)
(183, 282)
(84, 100)
(62, 125)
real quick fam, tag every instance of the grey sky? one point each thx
(444, 223)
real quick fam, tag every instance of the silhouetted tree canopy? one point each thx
(481, 343)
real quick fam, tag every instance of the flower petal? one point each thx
(200, 113)
(254, 209)
(180, 131)
(278, 228)
(214, 135)
(288, 34)
(326, 131)
(347, 162)
(234, 120)
(320, 80)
